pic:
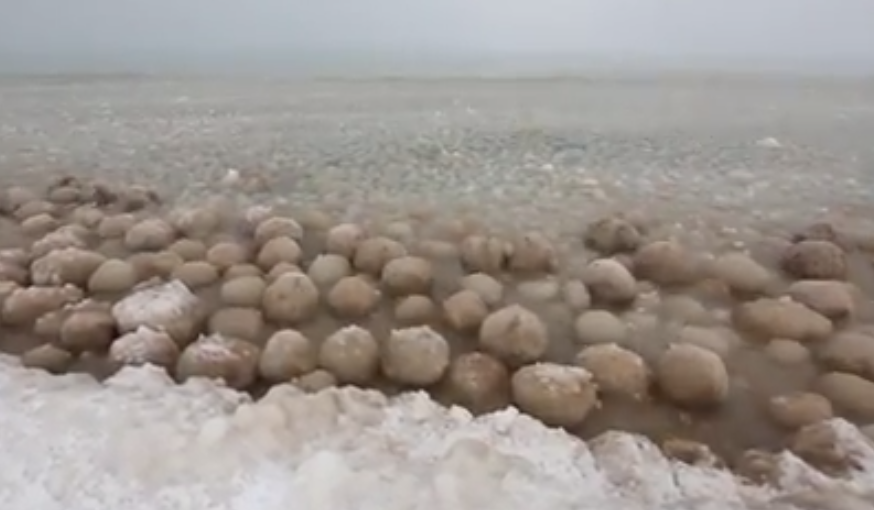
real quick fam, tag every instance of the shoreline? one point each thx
(713, 171)
(217, 449)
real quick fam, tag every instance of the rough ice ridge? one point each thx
(139, 442)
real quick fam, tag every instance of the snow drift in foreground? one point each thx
(140, 442)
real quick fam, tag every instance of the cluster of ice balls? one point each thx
(105, 271)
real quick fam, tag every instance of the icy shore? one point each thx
(140, 442)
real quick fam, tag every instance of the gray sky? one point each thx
(793, 29)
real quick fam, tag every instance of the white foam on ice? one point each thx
(139, 442)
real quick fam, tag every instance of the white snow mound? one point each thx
(139, 442)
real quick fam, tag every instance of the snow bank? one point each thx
(140, 442)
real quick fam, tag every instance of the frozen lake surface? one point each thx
(738, 155)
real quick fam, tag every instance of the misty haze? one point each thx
(437, 255)
(346, 37)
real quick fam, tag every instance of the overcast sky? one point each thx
(794, 29)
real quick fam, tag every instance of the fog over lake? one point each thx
(449, 36)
